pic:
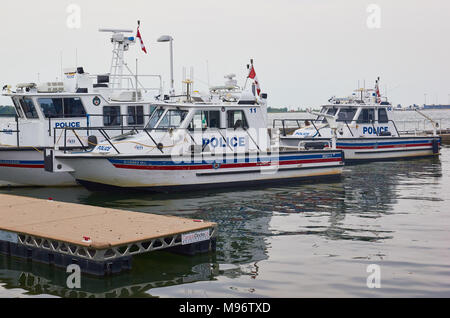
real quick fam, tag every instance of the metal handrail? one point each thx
(312, 121)
(298, 124)
(102, 130)
(131, 79)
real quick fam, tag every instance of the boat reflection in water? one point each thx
(248, 220)
(159, 270)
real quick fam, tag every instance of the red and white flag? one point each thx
(138, 35)
(252, 75)
(377, 88)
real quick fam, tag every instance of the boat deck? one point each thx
(100, 240)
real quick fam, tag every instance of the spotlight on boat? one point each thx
(165, 38)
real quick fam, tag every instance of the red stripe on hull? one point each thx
(21, 166)
(231, 165)
(384, 147)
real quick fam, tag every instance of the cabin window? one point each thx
(111, 116)
(51, 107)
(19, 111)
(382, 116)
(156, 116)
(73, 107)
(346, 114)
(135, 115)
(152, 109)
(28, 108)
(173, 118)
(366, 116)
(329, 111)
(236, 119)
(62, 107)
(205, 119)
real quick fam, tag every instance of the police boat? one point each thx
(198, 142)
(365, 130)
(119, 98)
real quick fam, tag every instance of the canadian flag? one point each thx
(138, 35)
(377, 88)
(252, 75)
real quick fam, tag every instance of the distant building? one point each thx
(436, 106)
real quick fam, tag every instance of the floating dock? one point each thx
(101, 241)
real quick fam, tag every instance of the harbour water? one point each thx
(305, 240)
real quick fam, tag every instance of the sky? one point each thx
(304, 51)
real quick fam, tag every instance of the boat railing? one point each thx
(120, 125)
(416, 126)
(88, 117)
(116, 127)
(106, 131)
(288, 129)
(134, 83)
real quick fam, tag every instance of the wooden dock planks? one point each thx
(70, 222)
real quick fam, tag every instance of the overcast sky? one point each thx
(305, 51)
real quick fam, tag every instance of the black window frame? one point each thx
(22, 102)
(385, 119)
(18, 108)
(156, 114)
(64, 105)
(366, 120)
(208, 119)
(170, 111)
(347, 110)
(245, 121)
(72, 114)
(327, 111)
(135, 118)
(108, 117)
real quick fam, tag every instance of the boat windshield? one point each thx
(156, 116)
(173, 118)
(346, 114)
(327, 110)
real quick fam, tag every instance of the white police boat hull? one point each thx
(159, 173)
(81, 100)
(374, 149)
(26, 168)
(198, 144)
(363, 129)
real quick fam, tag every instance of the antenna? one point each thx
(121, 44)
(189, 81)
(207, 73)
(61, 60)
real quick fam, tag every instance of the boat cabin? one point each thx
(361, 116)
(212, 127)
(86, 100)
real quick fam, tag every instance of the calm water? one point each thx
(296, 241)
